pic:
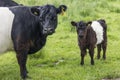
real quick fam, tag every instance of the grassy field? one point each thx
(60, 58)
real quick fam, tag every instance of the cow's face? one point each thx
(81, 28)
(48, 17)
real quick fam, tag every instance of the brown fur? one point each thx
(88, 39)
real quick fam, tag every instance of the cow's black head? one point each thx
(48, 17)
(81, 28)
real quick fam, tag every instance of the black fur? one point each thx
(30, 28)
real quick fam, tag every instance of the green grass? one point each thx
(60, 58)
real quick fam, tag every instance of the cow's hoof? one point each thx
(26, 78)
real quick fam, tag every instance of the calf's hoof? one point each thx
(104, 58)
(81, 63)
(98, 58)
(92, 63)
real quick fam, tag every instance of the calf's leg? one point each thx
(83, 53)
(98, 50)
(104, 46)
(91, 52)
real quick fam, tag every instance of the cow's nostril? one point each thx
(48, 30)
(51, 29)
(45, 30)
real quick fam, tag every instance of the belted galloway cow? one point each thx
(91, 34)
(25, 30)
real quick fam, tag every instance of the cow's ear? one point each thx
(61, 9)
(73, 23)
(89, 23)
(35, 11)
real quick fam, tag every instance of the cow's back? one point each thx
(8, 3)
(6, 20)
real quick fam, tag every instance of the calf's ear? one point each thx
(61, 9)
(73, 23)
(35, 11)
(89, 23)
(102, 20)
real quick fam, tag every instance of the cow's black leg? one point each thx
(91, 52)
(98, 50)
(22, 58)
(83, 52)
(21, 54)
(21, 47)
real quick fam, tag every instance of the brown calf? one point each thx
(90, 35)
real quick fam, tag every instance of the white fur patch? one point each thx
(6, 20)
(98, 30)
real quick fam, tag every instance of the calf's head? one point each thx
(81, 28)
(48, 17)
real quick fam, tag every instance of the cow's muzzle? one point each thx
(48, 31)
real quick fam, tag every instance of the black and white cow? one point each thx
(7, 3)
(25, 29)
